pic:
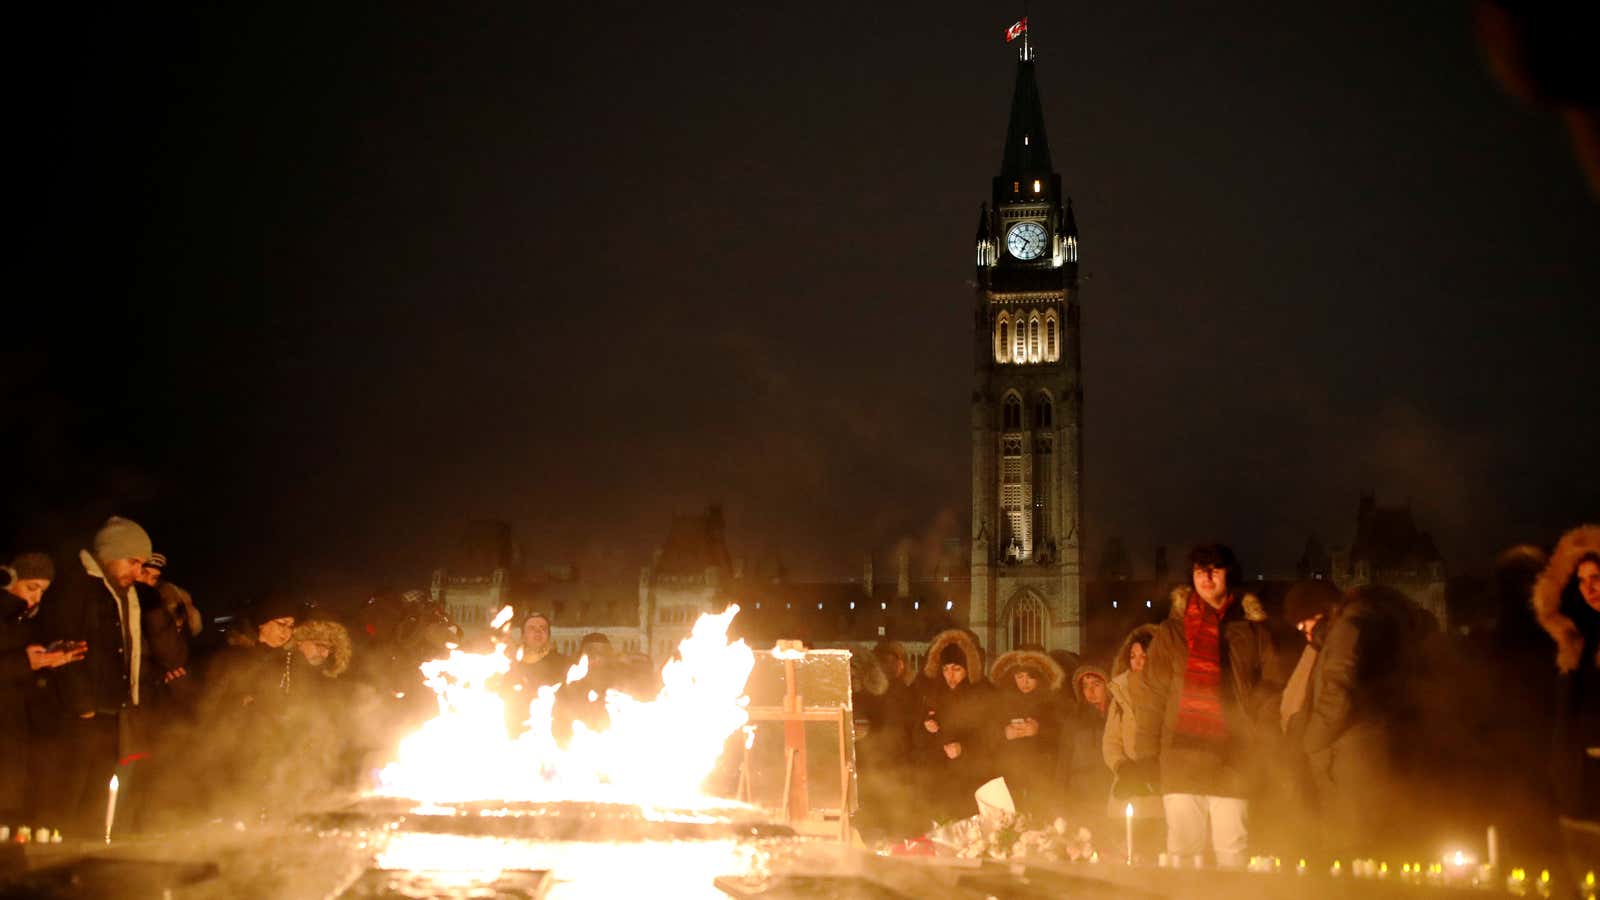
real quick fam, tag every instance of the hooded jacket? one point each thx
(1550, 590)
(1029, 761)
(1079, 766)
(1575, 627)
(1122, 730)
(958, 711)
(335, 636)
(960, 714)
(1250, 686)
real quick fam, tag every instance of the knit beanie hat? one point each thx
(121, 538)
(27, 566)
(1309, 599)
(156, 561)
(279, 605)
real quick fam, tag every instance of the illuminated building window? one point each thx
(1011, 414)
(1004, 342)
(1020, 352)
(1033, 339)
(1016, 187)
(1050, 338)
(1036, 185)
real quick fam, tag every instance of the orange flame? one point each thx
(653, 752)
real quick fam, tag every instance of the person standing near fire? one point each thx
(95, 604)
(25, 580)
(1211, 676)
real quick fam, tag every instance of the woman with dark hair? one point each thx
(1132, 783)
(951, 745)
(1566, 598)
(1024, 726)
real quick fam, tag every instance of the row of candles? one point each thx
(1457, 869)
(26, 835)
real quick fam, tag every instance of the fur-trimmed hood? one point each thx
(332, 634)
(866, 674)
(1083, 672)
(1552, 584)
(1249, 605)
(969, 648)
(1008, 663)
(1119, 663)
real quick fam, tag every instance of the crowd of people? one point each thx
(108, 668)
(1221, 737)
(1214, 733)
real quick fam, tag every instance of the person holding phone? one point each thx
(25, 579)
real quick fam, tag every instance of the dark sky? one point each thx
(309, 288)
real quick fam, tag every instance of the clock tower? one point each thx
(1027, 397)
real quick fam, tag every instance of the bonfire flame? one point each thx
(656, 752)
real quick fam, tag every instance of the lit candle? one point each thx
(111, 807)
(1127, 814)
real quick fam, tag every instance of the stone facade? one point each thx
(1027, 398)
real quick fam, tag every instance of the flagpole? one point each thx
(1027, 49)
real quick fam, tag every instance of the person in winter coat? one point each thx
(952, 750)
(1081, 767)
(177, 602)
(1566, 599)
(881, 746)
(1209, 683)
(1353, 700)
(1116, 746)
(1025, 729)
(25, 579)
(95, 604)
(885, 754)
(1288, 810)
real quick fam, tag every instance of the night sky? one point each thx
(307, 289)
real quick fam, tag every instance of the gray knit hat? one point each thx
(25, 566)
(121, 538)
(156, 561)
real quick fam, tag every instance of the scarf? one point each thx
(1200, 702)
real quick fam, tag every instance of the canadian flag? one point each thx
(1017, 30)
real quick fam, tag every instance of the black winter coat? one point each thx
(961, 714)
(16, 680)
(82, 608)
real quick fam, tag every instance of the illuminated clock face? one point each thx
(1026, 240)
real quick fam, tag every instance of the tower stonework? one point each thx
(1027, 397)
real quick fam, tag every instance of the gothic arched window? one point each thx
(1033, 339)
(1020, 352)
(1004, 343)
(1011, 413)
(1043, 412)
(1050, 352)
(1027, 621)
